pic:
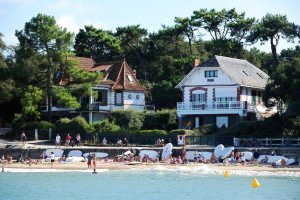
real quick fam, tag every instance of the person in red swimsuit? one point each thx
(68, 140)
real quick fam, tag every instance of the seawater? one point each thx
(155, 183)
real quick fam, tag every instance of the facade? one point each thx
(119, 89)
(222, 91)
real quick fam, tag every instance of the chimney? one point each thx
(195, 62)
(134, 73)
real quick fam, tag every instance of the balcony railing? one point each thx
(213, 106)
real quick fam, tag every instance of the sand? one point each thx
(124, 166)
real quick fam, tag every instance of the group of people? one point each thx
(68, 141)
(159, 142)
(123, 142)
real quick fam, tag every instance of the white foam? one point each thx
(206, 170)
(49, 170)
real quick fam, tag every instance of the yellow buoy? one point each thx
(226, 174)
(255, 183)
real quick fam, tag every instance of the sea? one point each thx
(155, 184)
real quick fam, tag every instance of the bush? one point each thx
(245, 128)
(106, 126)
(162, 119)
(73, 126)
(128, 119)
(41, 125)
(205, 130)
(292, 127)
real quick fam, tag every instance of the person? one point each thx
(89, 161)
(57, 140)
(125, 141)
(23, 137)
(283, 163)
(119, 143)
(255, 157)
(104, 141)
(183, 155)
(78, 139)
(68, 140)
(62, 158)
(213, 158)
(94, 159)
(52, 159)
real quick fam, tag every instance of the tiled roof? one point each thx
(123, 77)
(85, 63)
(115, 73)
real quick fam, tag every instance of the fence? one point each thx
(209, 140)
(267, 142)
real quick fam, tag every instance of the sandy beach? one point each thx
(124, 166)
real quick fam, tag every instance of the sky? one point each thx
(150, 14)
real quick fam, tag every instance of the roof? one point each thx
(85, 63)
(116, 73)
(123, 76)
(239, 70)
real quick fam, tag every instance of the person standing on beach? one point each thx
(68, 140)
(23, 137)
(78, 139)
(57, 140)
(52, 158)
(94, 159)
(89, 161)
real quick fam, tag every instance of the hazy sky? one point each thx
(150, 14)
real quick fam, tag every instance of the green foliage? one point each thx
(273, 27)
(205, 130)
(292, 127)
(105, 126)
(98, 43)
(30, 103)
(64, 98)
(40, 125)
(73, 126)
(162, 119)
(128, 119)
(284, 84)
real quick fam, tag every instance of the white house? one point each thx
(221, 91)
(119, 89)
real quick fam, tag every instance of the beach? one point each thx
(126, 166)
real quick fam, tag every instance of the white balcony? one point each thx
(232, 107)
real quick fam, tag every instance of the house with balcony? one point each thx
(222, 91)
(119, 89)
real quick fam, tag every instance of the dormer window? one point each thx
(247, 73)
(129, 78)
(211, 73)
(261, 75)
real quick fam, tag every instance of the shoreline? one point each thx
(101, 165)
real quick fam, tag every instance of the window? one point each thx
(261, 75)
(101, 96)
(129, 78)
(118, 98)
(199, 97)
(129, 96)
(247, 73)
(211, 73)
(210, 80)
(137, 97)
(226, 99)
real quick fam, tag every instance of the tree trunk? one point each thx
(190, 45)
(273, 48)
(49, 92)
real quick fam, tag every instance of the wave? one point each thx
(205, 170)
